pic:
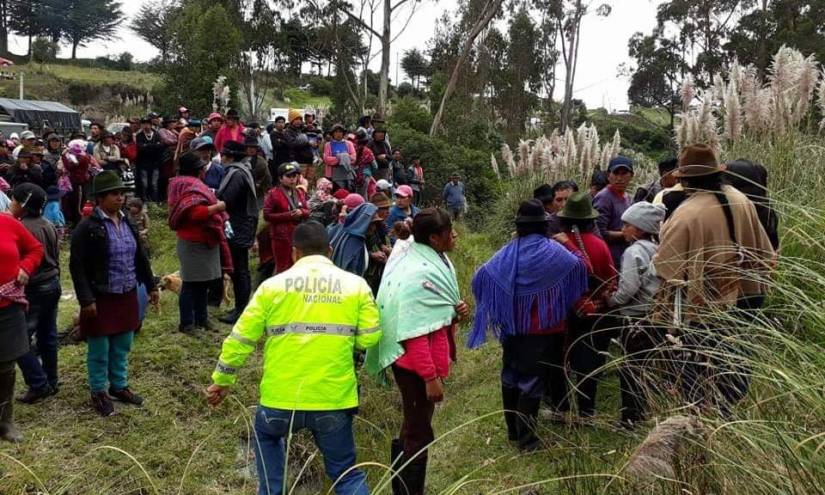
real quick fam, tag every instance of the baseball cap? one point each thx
(27, 135)
(30, 196)
(289, 168)
(383, 185)
(213, 116)
(404, 191)
(200, 143)
(620, 162)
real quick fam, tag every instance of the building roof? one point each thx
(39, 113)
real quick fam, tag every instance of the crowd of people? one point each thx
(353, 270)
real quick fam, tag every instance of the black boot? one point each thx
(509, 399)
(528, 412)
(396, 461)
(414, 476)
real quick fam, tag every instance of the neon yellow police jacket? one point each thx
(313, 316)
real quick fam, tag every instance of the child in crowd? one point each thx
(634, 295)
(322, 204)
(139, 218)
(52, 211)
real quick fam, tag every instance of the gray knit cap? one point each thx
(645, 216)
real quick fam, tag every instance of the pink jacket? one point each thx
(331, 160)
(429, 356)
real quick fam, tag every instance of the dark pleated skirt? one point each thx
(116, 314)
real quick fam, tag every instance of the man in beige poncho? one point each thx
(716, 253)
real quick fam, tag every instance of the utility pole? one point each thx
(396, 69)
(22, 84)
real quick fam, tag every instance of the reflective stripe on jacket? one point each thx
(312, 317)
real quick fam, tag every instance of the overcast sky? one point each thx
(603, 46)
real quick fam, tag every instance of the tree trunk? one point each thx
(74, 49)
(490, 10)
(4, 39)
(384, 80)
(570, 67)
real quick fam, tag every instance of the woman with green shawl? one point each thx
(420, 303)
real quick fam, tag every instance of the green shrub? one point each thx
(44, 50)
(408, 112)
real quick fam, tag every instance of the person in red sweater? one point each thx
(21, 254)
(128, 146)
(284, 208)
(197, 217)
(590, 330)
(231, 130)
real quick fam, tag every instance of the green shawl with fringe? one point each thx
(417, 296)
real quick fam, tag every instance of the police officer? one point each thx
(313, 317)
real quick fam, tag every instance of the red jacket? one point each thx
(226, 133)
(429, 356)
(129, 151)
(278, 213)
(600, 267)
(19, 249)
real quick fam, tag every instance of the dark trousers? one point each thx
(41, 320)
(589, 340)
(7, 373)
(215, 292)
(192, 303)
(263, 272)
(646, 361)
(716, 372)
(241, 278)
(417, 426)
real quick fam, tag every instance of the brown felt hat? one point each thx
(697, 160)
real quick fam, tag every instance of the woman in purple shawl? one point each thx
(524, 294)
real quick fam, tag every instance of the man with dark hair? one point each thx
(237, 190)
(149, 157)
(553, 198)
(280, 151)
(665, 181)
(321, 314)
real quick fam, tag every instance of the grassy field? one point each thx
(88, 75)
(177, 444)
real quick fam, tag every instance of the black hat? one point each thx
(53, 193)
(146, 120)
(544, 193)
(153, 115)
(288, 168)
(107, 181)
(531, 211)
(234, 149)
(190, 161)
(251, 142)
(30, 196)
(361, 135)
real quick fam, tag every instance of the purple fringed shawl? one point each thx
(529, 270)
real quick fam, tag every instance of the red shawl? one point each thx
(185, 192)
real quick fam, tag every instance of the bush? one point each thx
(407, 112)
(322, 86)
(43, 50)
(405, 89)
(439, 159)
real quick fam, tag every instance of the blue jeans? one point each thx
(106, 361)
(41, 320)
(332, 431)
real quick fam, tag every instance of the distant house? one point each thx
(39, 114)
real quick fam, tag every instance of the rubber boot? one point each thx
(528, 413)
(414, 476)
(509, 399)
(8, 431)
(396, 461)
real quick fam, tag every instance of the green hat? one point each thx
(578, 207)
(107, 181)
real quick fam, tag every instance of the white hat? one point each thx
(383, 185)
(14, 135)
(645, 216)
(27, 135)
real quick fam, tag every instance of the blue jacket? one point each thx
(213, 177)
(453, 195)
(397, 215)
(348, 240)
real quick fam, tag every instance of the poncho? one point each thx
(531, 270)
(417, 296)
